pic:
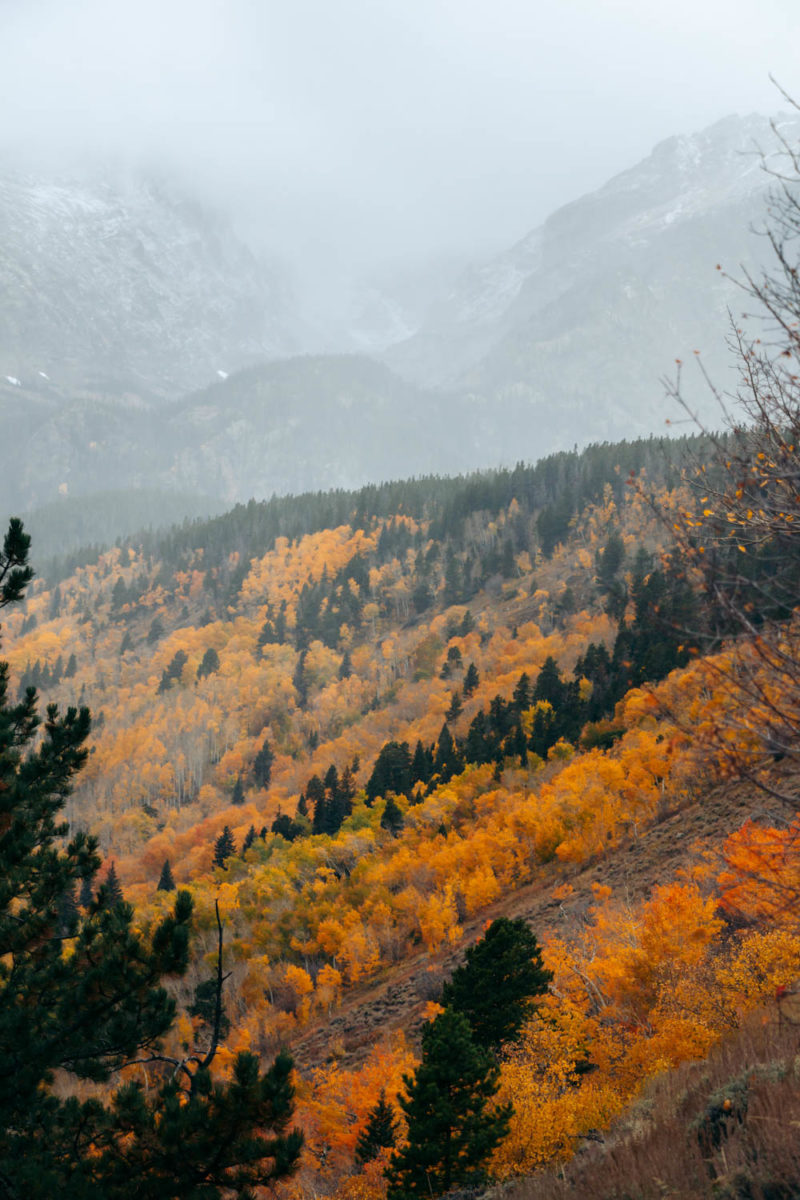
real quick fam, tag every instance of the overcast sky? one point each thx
(373, 129)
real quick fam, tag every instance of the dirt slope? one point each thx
(396, 1001)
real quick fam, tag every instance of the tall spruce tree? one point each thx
(262, 765)
(380, 1131)
(237, 796)
(112, 886)
(224, 847)
(99, 1006)
(452, 1130)
(496, 986)
(166, 883)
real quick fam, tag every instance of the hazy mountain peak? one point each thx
(114, 283)
(572, 328)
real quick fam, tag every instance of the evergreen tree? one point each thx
(68, 914)
(391, 773)
(86, 895)
(262, 765)
(280, 623)
(209, 664)
(454, 709)
(286, 827)
(347, 790)
(224, 847)
(610, 559)
(237, 797)
(522, 693)
(315, 794)
(166, 882)
(156, 631)
(422, 596)
(452, 1131)
(380, 1131)
(300, 680)
(471, 679)
(249, 838)
(392, 817)
(549, 685)
(112, 887)
(420, 766)
(345, 666)
(119, 595)
(173, 671)
(92, 1005)
(496, 986)
(447, 761)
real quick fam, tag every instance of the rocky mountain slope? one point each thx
(115, 285)
(571, 330)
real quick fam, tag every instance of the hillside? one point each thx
(310, 423)
(367, 723)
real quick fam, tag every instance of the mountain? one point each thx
(116, 284)
(297, 425)
(361, 727)
(568, 333)
(120, 304)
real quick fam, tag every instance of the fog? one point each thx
(365, 133)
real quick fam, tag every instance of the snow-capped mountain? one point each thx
(113, 285)
(566, 336)
(124, 311)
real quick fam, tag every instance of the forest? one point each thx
(383, 843)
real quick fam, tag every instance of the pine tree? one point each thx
(249, 838)
(237, 797)
(522, 693)
(224, 847)
(166, 882)
(454, 711)
(209, 664)
(392, 817)
(156, 631)
(391, 773)
(315, 794)
(68, 914)
(346, 666)
(497, 985)
(549, 685)
(447, 761)
(380, 1131)
(86, 894)
(262, 765)
(91, 1005)
(420, 767)
(452, 1131)
(112, 887)
(300, 680)
(471, 679)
